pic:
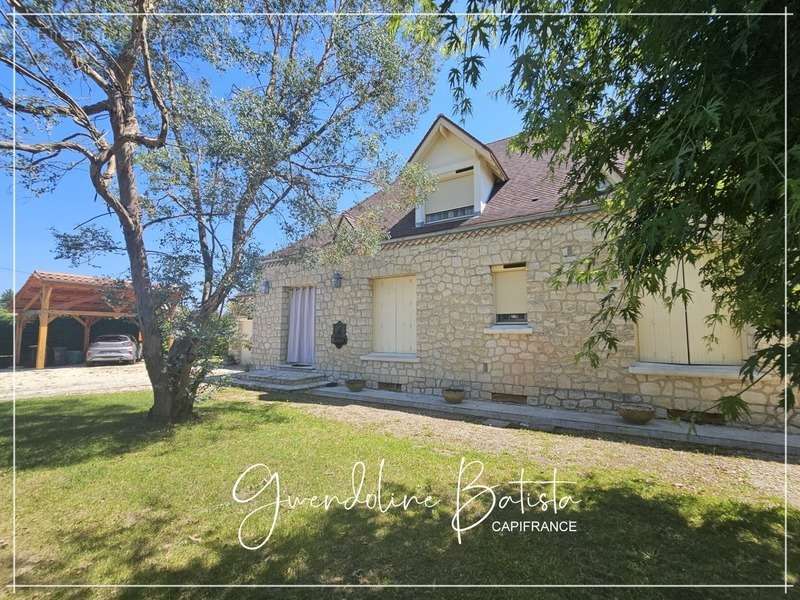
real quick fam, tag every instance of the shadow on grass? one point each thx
(64, 431)
(622, 538)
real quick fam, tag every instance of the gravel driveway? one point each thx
(77, 379)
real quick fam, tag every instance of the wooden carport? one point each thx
(47, 296)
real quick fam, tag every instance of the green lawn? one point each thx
(103, 497)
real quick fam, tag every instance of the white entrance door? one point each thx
(300, 348)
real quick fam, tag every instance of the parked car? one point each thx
(114, 348)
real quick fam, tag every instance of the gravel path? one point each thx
(76, 379)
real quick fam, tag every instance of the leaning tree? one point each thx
(194, 131)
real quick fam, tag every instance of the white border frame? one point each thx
(14, 585)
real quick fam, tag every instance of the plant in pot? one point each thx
(636, 413)
(454, 393)
(355, 385)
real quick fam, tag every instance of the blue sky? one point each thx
(73, 201)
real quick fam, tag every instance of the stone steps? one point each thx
(275, 387)
(282, 379)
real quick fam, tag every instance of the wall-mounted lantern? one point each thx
(337, 279)
(265, 286)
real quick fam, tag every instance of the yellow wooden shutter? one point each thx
(510, 290)
(677, 336)
(662, 332)
(395, 314)
(728, 348)
(383, 298)
(406, 311)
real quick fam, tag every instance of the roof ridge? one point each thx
(76, 277)
(508, 137)
(67, 274)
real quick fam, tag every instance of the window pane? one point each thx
(464, 211)
(512, 318)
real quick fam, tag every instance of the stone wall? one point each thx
(455, 304)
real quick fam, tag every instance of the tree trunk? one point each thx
(169, 405)
(181, 382)
(173, 401)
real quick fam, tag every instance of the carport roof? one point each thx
(77, 295)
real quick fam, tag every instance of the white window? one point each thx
(455, 213)
(454, 197)
(510, 292)
(679, 335)
(395, 315)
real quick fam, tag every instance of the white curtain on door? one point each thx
(300, 348)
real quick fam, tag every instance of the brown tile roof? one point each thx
(71, 278)
(532, 189)
(77, 293)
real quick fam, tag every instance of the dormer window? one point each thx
(453, 198)
(467, 172)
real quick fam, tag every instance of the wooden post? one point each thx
(18, 347)
(44, 322)
(87, 332)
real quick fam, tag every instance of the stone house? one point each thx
(459, 294)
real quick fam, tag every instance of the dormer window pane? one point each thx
(464, 211)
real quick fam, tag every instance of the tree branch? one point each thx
(38, 107)
(75, 110)
(154, 92)
(53, 147)
(66, 45)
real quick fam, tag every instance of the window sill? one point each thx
(675, 370)
(390, 357)
(510, 328)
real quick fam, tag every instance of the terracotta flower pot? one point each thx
(637, 414)
(355, 385)
(453, 396)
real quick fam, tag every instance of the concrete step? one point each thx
(282, 376)
(253, 383)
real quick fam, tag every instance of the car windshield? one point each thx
(113, 338)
